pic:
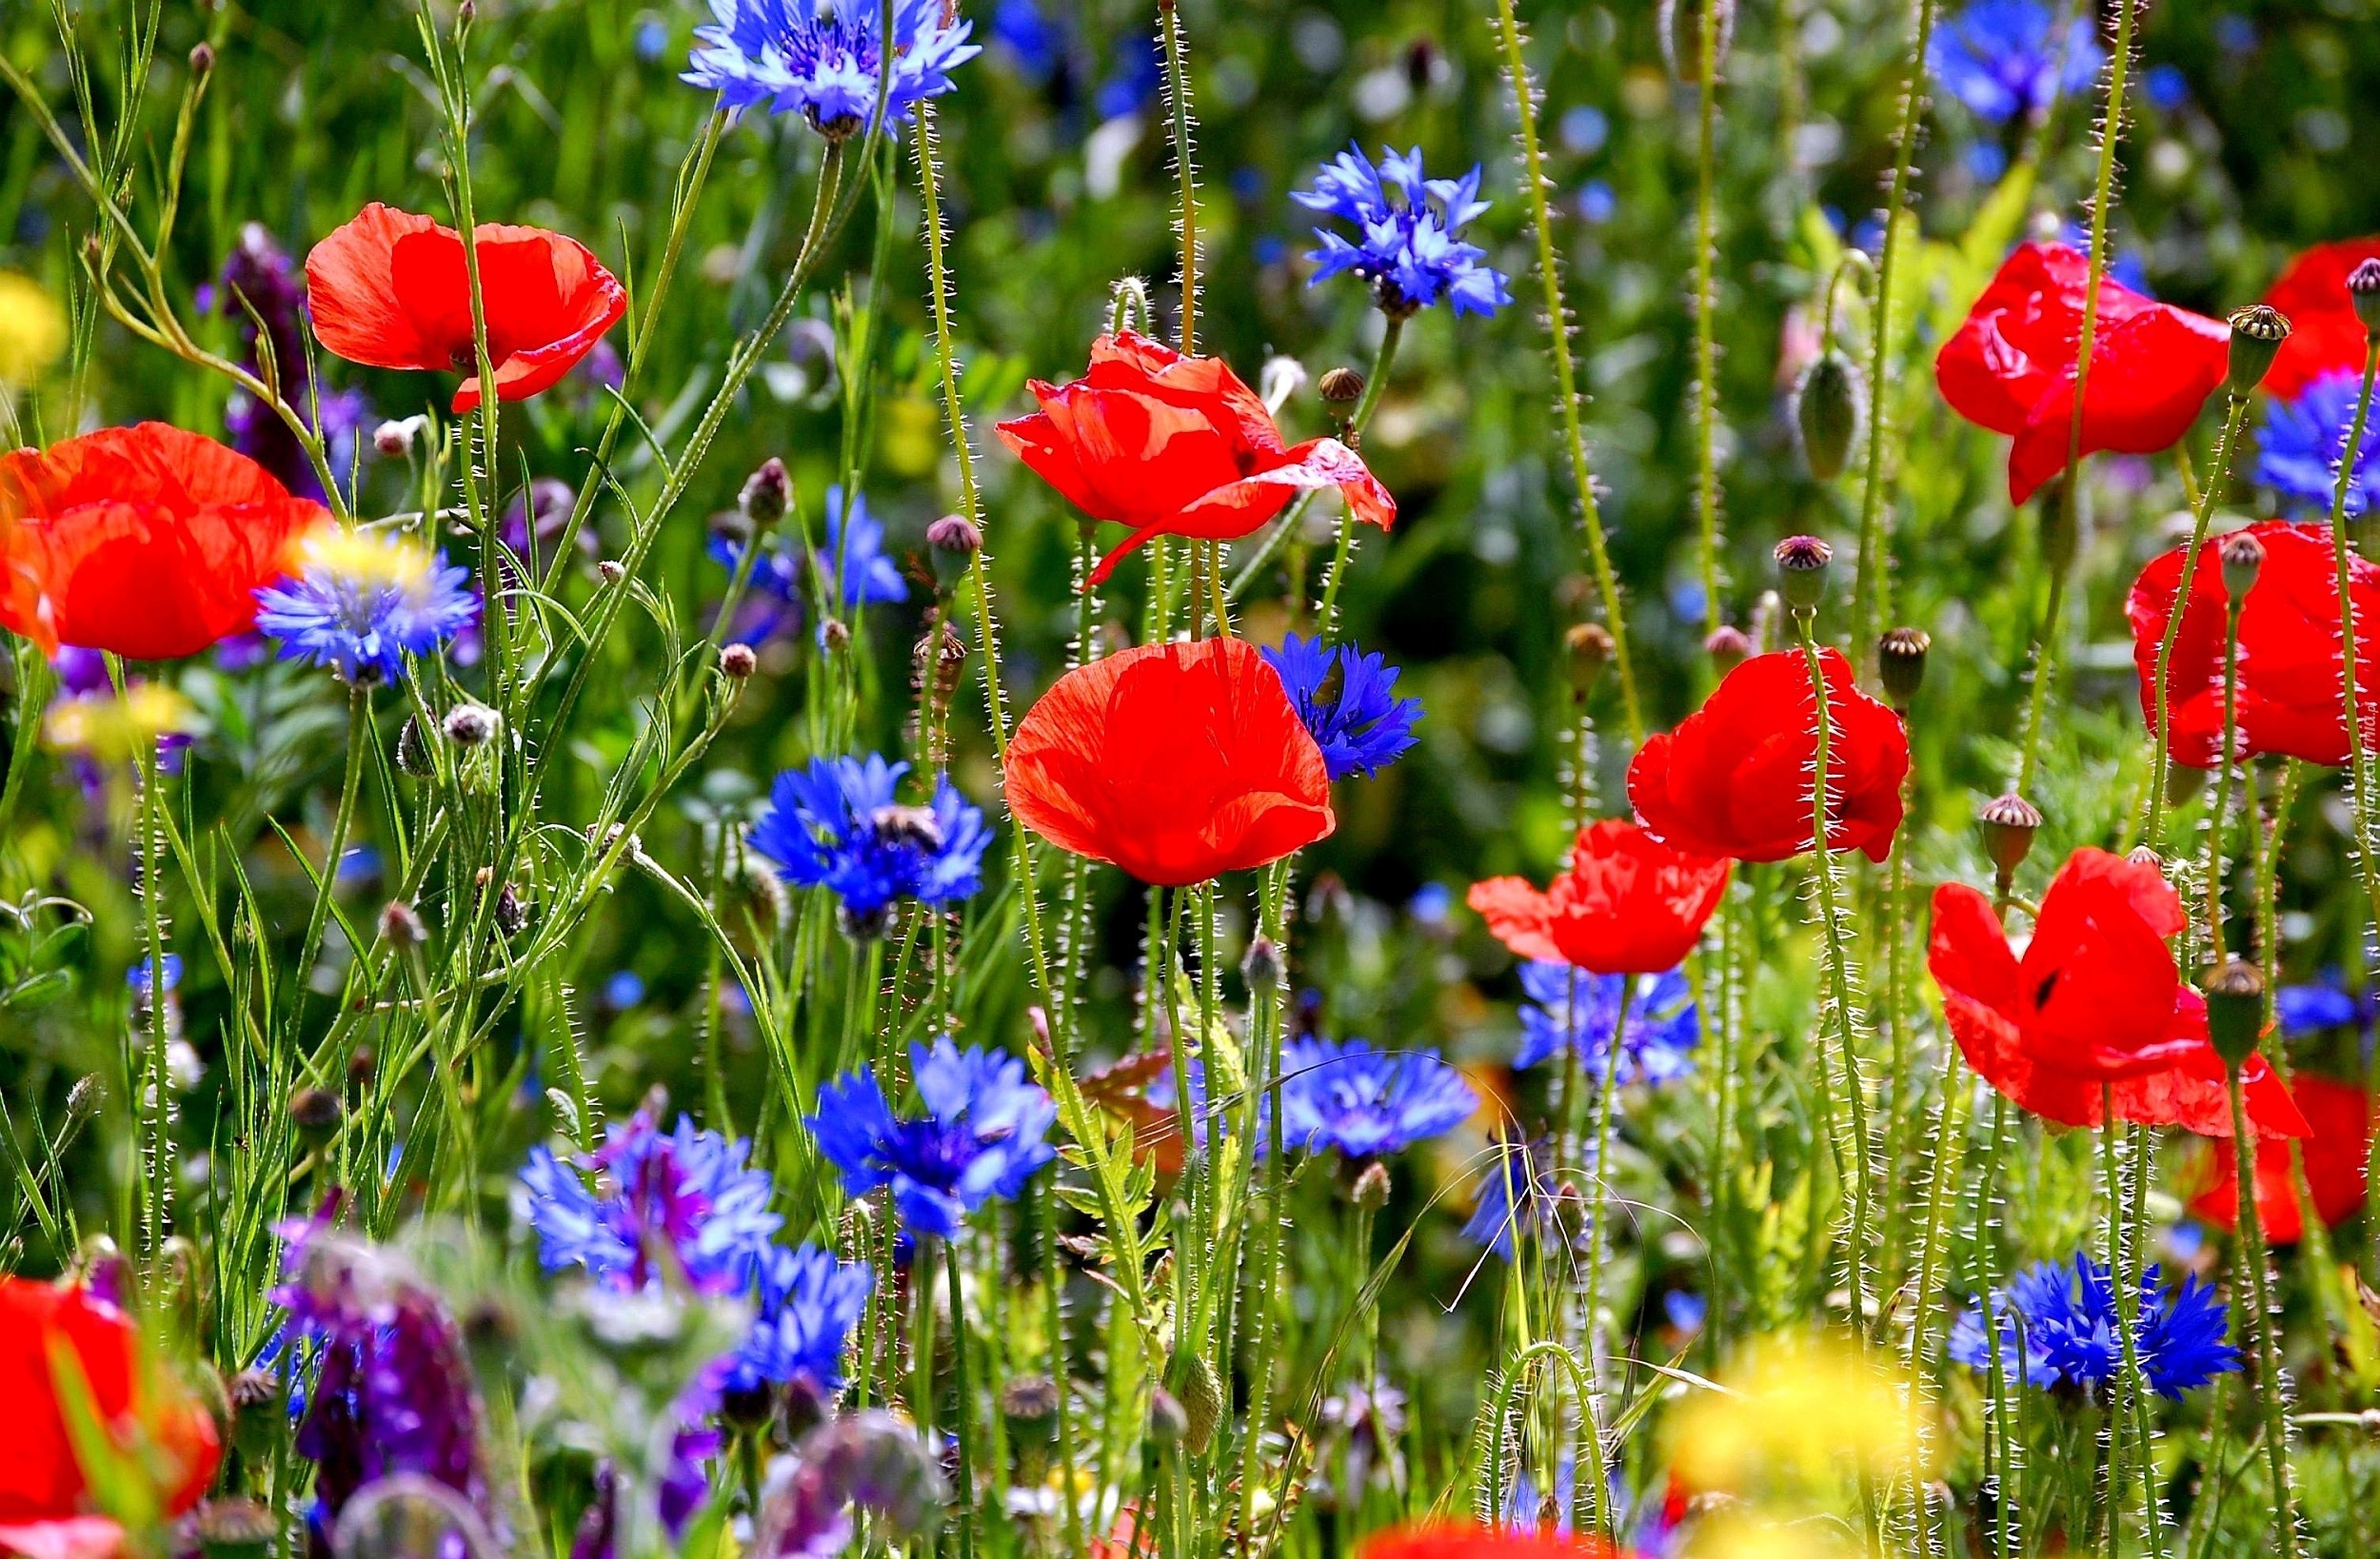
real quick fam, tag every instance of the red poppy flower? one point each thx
(2325, 335)
(390, 290)
(145, 541)
(2334, 1151)
(1628, 905)
(2011, 367)
(1175, 761)
(1734, 779)
(42, 1482)
(1470, 1540)
(2289, 649)
(1175, 445)
(2094, 1003)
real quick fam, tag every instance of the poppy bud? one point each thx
(471, 724)
(2009, 824)
(1342, 387)
(84, 1099)
(766, 493)
(2363, 289)
(1900, 661)
(612, 571)
(1827, 408)
(1168, 1422)
(2257, 332)
(1801, 565)
(1201, 1396)
(835, 634)
(314, 1112)
(400, 925)
(202, 58)
(1262, 967)
(955, 541)
(1728, 647)
(2234, 1010)
(233, 1529)
(1032, 1400)
(739, 662)
(1371, 1188)
(1587, 648)
(2243, 559)
(412, 751)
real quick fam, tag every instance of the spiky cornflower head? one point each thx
(649, 1205)
(360, 602)
(2007, 58)
(1656, 1045)
(393, 1391)
(824, 58)
(839, 825)
(805, 1303)
(1347, 701)
(1521, 1195)
(1409, 224)
(1368, 1103)
(2298, 448)
(2066, 1313)
(983, 1134)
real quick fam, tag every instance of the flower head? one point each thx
(1175, 445)
(105, 728)
(1348, 703)
(1175, 762)
(2298, 448)
(2009, 59)
(360, 602)
(855, 557)
(2323, 1002)
(145, 541)
(1368, 1103)
(1582, 1011)
(2094, 1007)
(2325, 336)
(1737, 777)
(2010, 366)
(262, 292)
(838, 824)
(806, 1303)
(648, 1203)
(1629, 904)
(390, 290)
(2289, 687)
(1408, 226)
(983, 1134)
(824, 58)
(2071, 1328)
(2335, 1153)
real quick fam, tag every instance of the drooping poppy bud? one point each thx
(1827, 408)
(2235, 1010)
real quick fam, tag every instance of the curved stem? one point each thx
(2217, 480)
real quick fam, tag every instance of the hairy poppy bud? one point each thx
(2257, 332)
(314, 1112)
(1201, 1396)
(955, 541)
(2363, 289)
(765, 494)
(1587, 648)
(412, 751)
(1827, 410)
(1728, 647)
(400, 925)
(2235, 1010)
(1900, 662)
(471, 724)
(1801, 567)
(2243, 559)
(2009, 824)
(1342, 387)
(739, 662)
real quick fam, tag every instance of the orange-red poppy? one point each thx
(1629, 904)
(2325, 335)
(2335, 1151)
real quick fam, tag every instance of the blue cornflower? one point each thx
(2066, 1313)
(1520, 1193)
(361, 601)
(806, 1303)
(822, 57)
(1032, 41)
(1134, 79)
(1368, 1103)
(982, 1136)
(2298, 448)
(2324, 1004)
(772, 591)
(837, 825)
(688, 1193)
(1347, 701)
(141, 980)
(1409, 248)
(2005, 58)
(1664, 1026)
(854, 556)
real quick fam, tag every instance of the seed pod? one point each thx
(1342, 387)
(2235, 1010)
(2363, 289)
(1900, 657)
(1802, 563)
(2009, 824)
(1588, 647)
(2243, 559)
(2257, 332)
(1828, 408)
(233, 1529)
(1728, 647)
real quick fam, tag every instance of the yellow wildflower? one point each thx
(32, 331)
(115, 730)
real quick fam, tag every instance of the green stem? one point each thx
(964, 1426)
(2233, 416)
(1326, 614)
(1185, 165)
(2272, 1401)
(1352, 430)
(2224, 765)
(359, 735)
(2359, 754)
(1706, 346)
(2124, 1399)
(2044, 668)
(1598, 1246)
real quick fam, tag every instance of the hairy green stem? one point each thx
(2272, 1402)
(1706, 304)
(2233, 416)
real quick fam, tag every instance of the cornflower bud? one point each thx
(394, 438)
(412, 751)
(1588, 648)
(2257, 332)
(2009, 824)
(1827, 408)
(1801, 563)
(2235, 1010)
(1901, 660)
(739, 662)
(1728, 647)
(202, 58)
(1342, 387)
(954, 539)
(1371, 1188)
(2363, 289)
(2242, 558)
(612, 571)
(84, 1099)
(511, 915)
(835, 634)
(400, 925)
(314, 1112)
(471, 724)
(765, 494)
